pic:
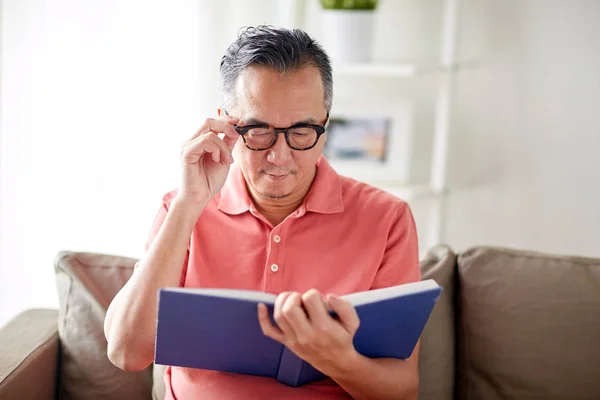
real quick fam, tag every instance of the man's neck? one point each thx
(276, 210)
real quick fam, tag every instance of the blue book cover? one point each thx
(218, 329)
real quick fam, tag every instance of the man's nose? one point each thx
(280, 153)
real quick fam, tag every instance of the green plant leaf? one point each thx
(349, 4)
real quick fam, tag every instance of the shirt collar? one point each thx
(234, 198)
(324, 195)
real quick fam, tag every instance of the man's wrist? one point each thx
(347, 365)
(191, 209)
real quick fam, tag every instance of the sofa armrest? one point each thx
(29, 348)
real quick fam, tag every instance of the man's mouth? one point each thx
(276, 177)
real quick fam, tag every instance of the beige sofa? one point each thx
(510, 325)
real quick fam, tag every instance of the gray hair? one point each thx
(285, 50)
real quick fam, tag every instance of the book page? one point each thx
(248, 295)
(355, 299)
(372, 296)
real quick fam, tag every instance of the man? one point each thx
(279, 220)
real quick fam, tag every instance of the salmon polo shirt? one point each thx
(345, 237)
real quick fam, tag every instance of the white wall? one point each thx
(97, 97)
(523, 165)
(527, 122)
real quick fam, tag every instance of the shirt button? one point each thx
(274, 267)
(276, 239)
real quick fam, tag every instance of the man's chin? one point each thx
(274, 194)
(275, 190)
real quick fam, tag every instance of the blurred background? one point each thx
(493, 108)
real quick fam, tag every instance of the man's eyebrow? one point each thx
(254, 121)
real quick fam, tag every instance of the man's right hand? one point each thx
(205, 160)
(130, 324)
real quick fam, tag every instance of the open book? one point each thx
(218, 329)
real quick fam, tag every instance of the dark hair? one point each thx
(285, 50)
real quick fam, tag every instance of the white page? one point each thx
(355, 299)
(371, 296)
(248, 295)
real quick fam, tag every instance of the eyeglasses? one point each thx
(298, 137)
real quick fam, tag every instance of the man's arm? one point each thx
(130, 324)
(380, 378)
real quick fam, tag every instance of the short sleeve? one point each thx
(161, 215)
(400, 263)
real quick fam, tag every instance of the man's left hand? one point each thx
(305, 326)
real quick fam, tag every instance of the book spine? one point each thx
(293, 371)
(290, 366)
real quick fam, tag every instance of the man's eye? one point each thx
(303, 131)
(259, 132)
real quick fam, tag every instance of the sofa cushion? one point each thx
(436, 357)
(158, 387)
(529, 326)
(86, 284)
(29, 353)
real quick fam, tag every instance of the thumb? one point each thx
(230, 142)
(231, 139)
(346, 312)
(230, 119)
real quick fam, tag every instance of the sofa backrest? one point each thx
(509, 325)
(437, 357)
(529, 326)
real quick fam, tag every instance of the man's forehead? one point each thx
(266, 82)
(278, 115)
(265, 95)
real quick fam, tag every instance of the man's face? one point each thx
(264, 95)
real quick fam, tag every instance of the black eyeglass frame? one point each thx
(243, 130)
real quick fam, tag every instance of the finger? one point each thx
(209, 143)
(225, 150)
(224, 125)
(193, 151)
(209, 124)
(345, 311)
(316, 308)
(231, 139)
(280, 319)
(267, 326)
(216, 156)
(296, 317)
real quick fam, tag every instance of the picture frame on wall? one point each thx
(369, 144)
(357, 139)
